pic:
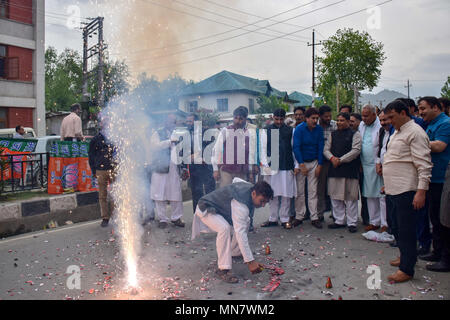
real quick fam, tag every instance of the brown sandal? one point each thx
(227, 276)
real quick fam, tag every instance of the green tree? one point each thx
(352, 59)
(64, 79)
(445, 91)
(270, 104)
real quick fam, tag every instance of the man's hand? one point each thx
(255, 267)
(336, 162)
(379, 169)
(297, 171)
(216, 175)
(303, 169)
(318, 170)
(419, 199)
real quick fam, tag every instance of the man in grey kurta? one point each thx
(342, 149)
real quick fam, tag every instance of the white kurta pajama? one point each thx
(372, 181)
(344, 192)
(232, 241)
(166, 187)
(282, 182)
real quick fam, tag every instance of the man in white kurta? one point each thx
(369, 129)
(166, 181)
(342, 149)
(227, 212)
(280, 175)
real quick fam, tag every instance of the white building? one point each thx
(225, 92)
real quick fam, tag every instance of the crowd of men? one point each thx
(395, 160)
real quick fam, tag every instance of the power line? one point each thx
(266, 41)
(230, 18)
(253, 15)
(222, 33)
(239, 35)
(46, 13)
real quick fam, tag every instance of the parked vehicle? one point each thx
(9, 133)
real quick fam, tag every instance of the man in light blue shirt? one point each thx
(439, 133)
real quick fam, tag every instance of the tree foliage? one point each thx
(64, 79)
(270, 104)
(351, 58)
(445, 91)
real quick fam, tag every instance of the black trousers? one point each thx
(406, 216)
(364, 208)
(391, 218)
(434, 195)
(201, 182)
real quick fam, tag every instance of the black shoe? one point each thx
(317, 224)
(162, 225)
(423, 251)
(336, 226)
(438, 267)
(269, 224)
(321, 218)
(431, 257)
(394, 244)
(178, 223)
(296, 223)
(352, 229)
(105, 223)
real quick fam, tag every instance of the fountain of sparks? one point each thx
(128, 129)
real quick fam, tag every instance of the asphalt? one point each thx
(34, 266)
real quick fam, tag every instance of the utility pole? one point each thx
(337, 96)
(313, 45)
(93, 28)
(409, 85)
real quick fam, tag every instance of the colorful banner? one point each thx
(69, 170)
(15, 147)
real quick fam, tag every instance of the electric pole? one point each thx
(313, 45)
(408, 85)
(93, 28)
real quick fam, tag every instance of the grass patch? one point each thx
(24, 195)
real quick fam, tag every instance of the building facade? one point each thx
(22, 64)
(226, 91)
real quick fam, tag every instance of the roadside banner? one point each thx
(68, 168)
(18, 149)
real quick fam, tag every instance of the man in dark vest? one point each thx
(226, 210)
(201, 179)
(342, 149)
(280, 173)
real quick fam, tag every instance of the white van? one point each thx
(9, 133)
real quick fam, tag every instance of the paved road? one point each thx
(34, 266)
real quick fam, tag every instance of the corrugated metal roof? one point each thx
(303, 99)
(227, 81)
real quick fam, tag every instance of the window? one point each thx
(222, 105)
(192, 106)
(3, 8)
(2, 61)
(3, 118)
(251, 106)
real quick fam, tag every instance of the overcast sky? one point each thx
(198, 38)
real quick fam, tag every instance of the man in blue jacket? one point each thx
(308, 150)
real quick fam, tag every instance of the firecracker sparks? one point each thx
(126, 127)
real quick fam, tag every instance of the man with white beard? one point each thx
(166, 181)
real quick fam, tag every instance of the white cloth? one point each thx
(161, 208)
(375, 133)
(340, 208)
(378, 237)
(281, 207)
(300, 203)
(227, 245)
(282, 183)
(373, 206)
(383, 148)
(165, 186)
(383, 212)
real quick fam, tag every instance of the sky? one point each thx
(264, 39)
